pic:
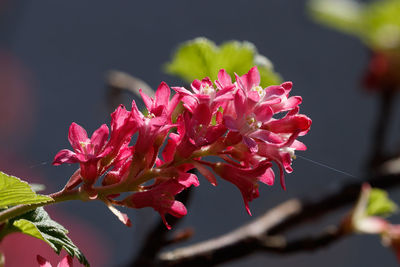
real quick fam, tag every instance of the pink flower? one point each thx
(121, 166)
(161, 197)
(205, 93)
(123, 126)
(246, 179)
(241, 123)
(154, 127)
(277, 97)
(87, 151)
(249, 83)
(246, 120)
(251, 121)
(161, 102)
(197, 130)
(253, 110)
(65, 262)
(281, 155)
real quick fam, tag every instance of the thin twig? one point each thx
(252, 237)
(381, 129)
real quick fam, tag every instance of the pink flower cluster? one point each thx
(246, 126)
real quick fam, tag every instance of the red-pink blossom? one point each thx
(121, 166)
(205, 93)
(251, 120)
(123, 126)
(245, 126)
(161, 197)
(87, 152)
(252, 113)
(197, 130)
(246, 179)
(65, 262)
(154, 127)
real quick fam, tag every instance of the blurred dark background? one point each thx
(53, 59)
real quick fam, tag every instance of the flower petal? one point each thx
(65, 156)
(99, 138)
(42, 261)
(148, 101)
(66, 262)
(162, 95)
(76, 136)
(224, 80)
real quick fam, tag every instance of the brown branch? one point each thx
(118, 82)
(256, 235)
(381, 128)
(243, 240)
(278, 244)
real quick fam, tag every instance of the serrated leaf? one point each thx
(37, 223)
(379, 203)
(200, 58)
(27, 227)
(14, 191)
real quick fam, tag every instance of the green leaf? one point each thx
(343, 15)
(37, 223)
(200, 58)
(377, 23)
(382, 24)
(379, 203)
(14, 191)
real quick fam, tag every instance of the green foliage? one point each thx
(344, 15)
(377, 23)
(37, 223)
(201, 58)
(382, 24)
(379, 203)
(14, 191)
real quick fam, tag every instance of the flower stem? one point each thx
(23, 208)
